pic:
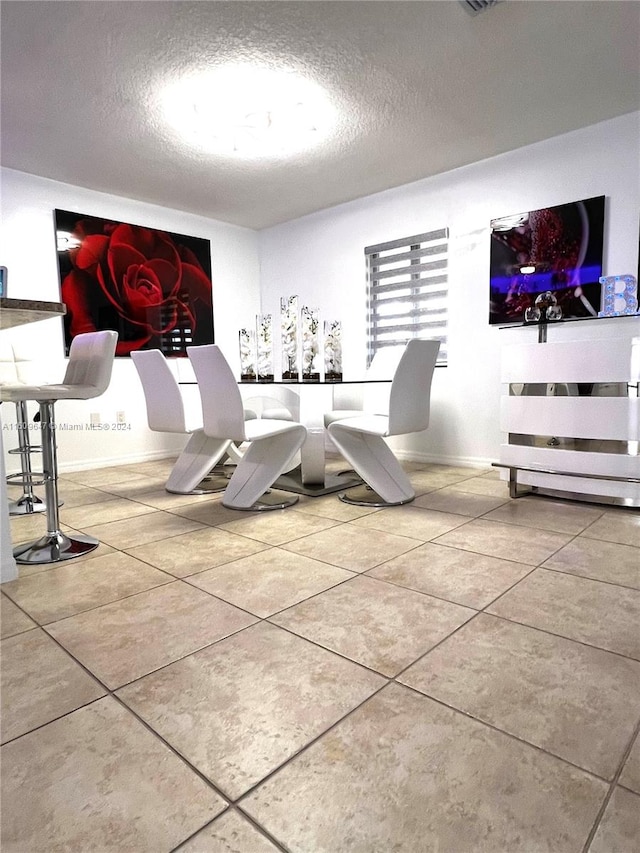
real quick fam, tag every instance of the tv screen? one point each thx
(557, 249)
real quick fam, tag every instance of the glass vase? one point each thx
(333, 351)
(264, 340)
(289, 338)
(310, 344)
(247, 355)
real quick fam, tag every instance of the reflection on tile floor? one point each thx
(324, 679)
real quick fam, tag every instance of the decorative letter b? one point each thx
(619, 295)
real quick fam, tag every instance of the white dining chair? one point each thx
(361, 439)
(271, 443)
(177, 409)
(353, 400)
(273, 402)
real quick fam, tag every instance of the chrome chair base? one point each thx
(216, 481)
(53, 548)
(26, 505)
(267, 502)
(365, 496)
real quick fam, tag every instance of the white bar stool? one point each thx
(87, 375)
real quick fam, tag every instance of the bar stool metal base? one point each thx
(53, 548)
(267, 502)
(27, 504)
(365, 496)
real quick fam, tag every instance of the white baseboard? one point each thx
(154, 455)
(114, 462)
(458, 461)
(435, 459)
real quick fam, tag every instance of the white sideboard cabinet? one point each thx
(571, 414)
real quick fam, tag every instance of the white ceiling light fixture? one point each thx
(248, 111)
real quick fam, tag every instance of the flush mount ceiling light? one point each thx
(248, 112)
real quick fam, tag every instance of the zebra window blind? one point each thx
(407, 291)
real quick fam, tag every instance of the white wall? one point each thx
(28, 250)
(320, 258)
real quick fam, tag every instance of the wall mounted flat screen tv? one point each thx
(556, 248)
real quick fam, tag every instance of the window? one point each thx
(407, 291)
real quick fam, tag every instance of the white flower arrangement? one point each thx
(309, 323)
(289, 334)
(333, 347)
(265, 345)
(247, 352)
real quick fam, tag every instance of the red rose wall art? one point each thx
(152, 287)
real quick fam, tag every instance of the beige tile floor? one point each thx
(457, 675)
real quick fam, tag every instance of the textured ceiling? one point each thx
(421, 88)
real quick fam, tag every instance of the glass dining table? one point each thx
(310, 477)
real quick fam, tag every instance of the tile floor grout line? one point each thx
(279, 845)
(434, 541)
(259, 620)
(200, 571)
(589, 578)
(611, 790)
(219, 791)
(275, 544)
(56, 719)
(355, 571)
(97, 606)
(435, 646)
(109, 691)
(319, 645)
(227, 797)
(518, 523)
(477, 553)
(162, 666)
(44, 626)
(539, 565)
(23, 611)
(86, 530)
(532, 569)
(442, 598)
(305, 747)
(232, 808)
(508, 734)
(562, 636)
(282, 609)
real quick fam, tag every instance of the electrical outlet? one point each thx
(120, 418)
(94, 418)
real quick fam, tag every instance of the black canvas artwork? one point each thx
(153, 287)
